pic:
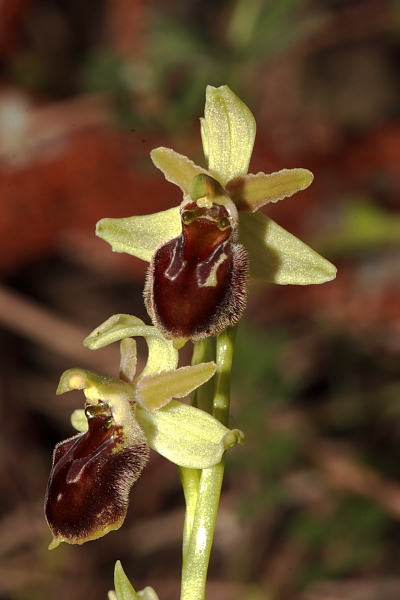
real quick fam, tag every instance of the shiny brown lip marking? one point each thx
(196, 283)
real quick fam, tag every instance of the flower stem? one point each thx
(202, 498)
(225, 347)
(190, 479)
(203, 351)
(195, 562)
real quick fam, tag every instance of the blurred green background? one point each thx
(311, 505)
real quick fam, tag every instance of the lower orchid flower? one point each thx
(202, 252)
(92, 472)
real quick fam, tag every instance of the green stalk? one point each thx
(202, 499)
(222, 394)
(195, 563)
(190, 479)
(204, 351)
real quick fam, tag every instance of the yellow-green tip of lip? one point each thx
(180, 342)
(55, 542)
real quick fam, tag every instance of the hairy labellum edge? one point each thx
(230, 309)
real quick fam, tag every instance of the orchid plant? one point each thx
(201, 254)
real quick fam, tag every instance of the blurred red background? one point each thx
(311, 507)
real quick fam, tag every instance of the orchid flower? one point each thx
(92, 472)
(202, 251)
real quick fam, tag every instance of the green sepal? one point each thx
(228, 131)
(123, 587)
(187, 436)
(155, 391)
(251, 192)
(177, 168)
(163, 356)
(79, 420)
(140, 236)
(278, 256)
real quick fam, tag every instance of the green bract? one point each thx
(124, 589)
(228, 133)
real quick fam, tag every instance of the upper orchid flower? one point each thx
(201, 252)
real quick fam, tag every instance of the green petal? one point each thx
(163, 356)
(278, 256)
(251, 192)
(116, 393)
(140, 236)
(228, 131)
(185, 435)
(155, 391)
(128, 363)
(95, 385)
(178, 169)
(123, 587)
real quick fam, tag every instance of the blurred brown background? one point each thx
(311, 504)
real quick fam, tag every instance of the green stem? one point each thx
(190, 479)
(195, 562)
(225, 347)
(202, 498)
(203, 351)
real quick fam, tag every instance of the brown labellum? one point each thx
(90, 479)
(196, 282)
